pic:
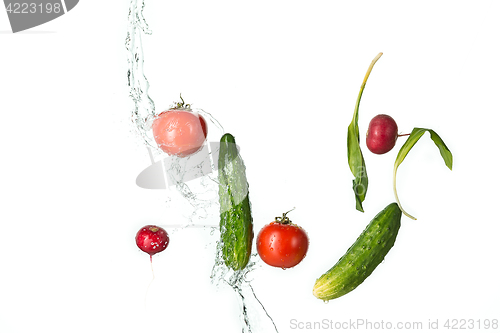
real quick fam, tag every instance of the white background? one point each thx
(283, 77)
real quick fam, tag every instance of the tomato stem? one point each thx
(284, 219)
(182, 105)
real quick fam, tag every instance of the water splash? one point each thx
(254, 317)
(138, 84)
(199, 194)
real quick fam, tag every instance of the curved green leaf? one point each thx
(415, 135)
(354, 155)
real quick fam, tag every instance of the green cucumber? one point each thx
(361, 259)
(236, 226)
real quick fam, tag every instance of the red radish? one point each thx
(382, 134)
(152, 239)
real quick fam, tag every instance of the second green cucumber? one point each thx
(361, 259)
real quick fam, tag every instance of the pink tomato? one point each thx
(179, 132)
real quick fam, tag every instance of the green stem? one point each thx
(356, 108)
(396, 193)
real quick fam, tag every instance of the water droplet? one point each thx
(325, 301)
(271, 249)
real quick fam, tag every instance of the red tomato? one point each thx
(282, 243)
(179, 132)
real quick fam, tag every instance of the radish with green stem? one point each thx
(381, 137)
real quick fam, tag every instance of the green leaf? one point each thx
(415, 135)
(354, 155)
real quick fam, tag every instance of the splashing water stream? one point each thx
(202, 192)
(137, 81)
(254, 316)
